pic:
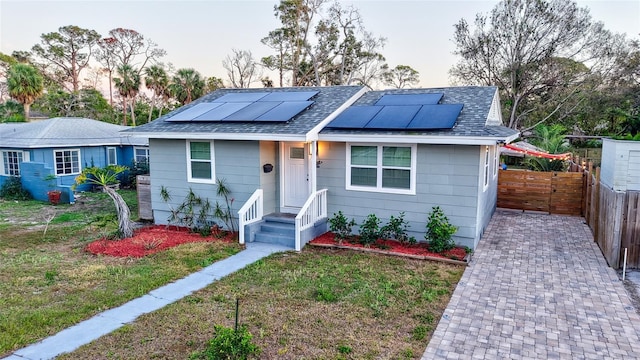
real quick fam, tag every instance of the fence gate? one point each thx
(552, 192)
(143, 184)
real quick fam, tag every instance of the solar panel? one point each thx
(252, 111)
(393, 117)
(194, 111)
(289, 96)
(241, 97)
(410, 99)
(222, 111)
(285, 111)
(441, 116)
(355, 117)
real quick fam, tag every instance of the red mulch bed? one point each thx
(393, 247)
(152, 239)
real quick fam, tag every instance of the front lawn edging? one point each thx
(464, 262)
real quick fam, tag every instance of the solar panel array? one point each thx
(263, 106)
(400, 112)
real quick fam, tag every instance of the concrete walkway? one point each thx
(83, 333)
(537, 287)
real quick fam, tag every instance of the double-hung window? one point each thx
(141, 154)
(112, 156)
(67, 161)
(381, 168)
(11, 162)
(200, 162)
(486, 167)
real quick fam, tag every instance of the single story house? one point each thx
(305, 153)
(49, 154)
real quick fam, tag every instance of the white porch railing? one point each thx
(252, 211)
(313, 210)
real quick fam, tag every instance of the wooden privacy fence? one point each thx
(614, 218)
(552, 192)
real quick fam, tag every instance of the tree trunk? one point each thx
(125, 229)
(124, 111)
(27, 107)
(110, 88)
(133, 114)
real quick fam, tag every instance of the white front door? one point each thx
(295, 179)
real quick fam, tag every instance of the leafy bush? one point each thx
(397, 228)
(137, 168)
(340, 226)
(12, 190)
(370, 230)
(228, 344)
(439, 231)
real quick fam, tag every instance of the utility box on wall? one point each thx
(145, 211)
(620, 169)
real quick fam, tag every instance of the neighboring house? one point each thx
(312, 152)
(49, 154)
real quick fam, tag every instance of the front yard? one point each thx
(48, 282)
(318, 303)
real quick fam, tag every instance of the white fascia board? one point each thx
(222, 136)
(456, 140)
(312, 135)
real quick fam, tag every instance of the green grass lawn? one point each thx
(316, 304)
(48, 282)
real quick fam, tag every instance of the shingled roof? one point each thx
(327, 103)
(65, 132)
(474, 120)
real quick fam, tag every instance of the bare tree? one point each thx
(517, 46)
(242, 69)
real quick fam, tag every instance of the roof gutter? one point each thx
(420, 139)
(221, 136)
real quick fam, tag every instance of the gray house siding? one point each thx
(487, 198)
(237, 162)
(438, 183)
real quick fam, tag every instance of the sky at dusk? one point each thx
(200, 34)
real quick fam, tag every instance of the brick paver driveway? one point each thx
(537, 288)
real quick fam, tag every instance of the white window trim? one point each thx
(25, 158)
(485, 173)
(55, 164)
(212, 161)
(115, 154)
(379, 188)
(135, 152)
(496, 161)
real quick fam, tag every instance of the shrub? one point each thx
(397, 228)
(370, 230)
(12, 190)
(229, 344)
(439, 231)
(340, 226)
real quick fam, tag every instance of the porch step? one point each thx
(277, 228)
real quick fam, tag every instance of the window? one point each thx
(67, 162)
(381, 168)
(496, 158)
(486, 167)
(112, 158)
(11, 162)
(200, 165)
(141, 154)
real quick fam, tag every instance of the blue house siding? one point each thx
(447, 176)
(237, 162)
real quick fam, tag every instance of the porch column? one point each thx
(313, 164)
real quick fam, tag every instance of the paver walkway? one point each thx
(83, 333)
(537, 287)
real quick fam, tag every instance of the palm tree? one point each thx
(187, 85)
(25, 85)
(156, 80)
(128, 85)
(551, 139)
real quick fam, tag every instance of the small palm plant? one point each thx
(104, 177)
